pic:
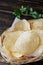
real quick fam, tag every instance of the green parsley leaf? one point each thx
(16, 13)
(23, 9)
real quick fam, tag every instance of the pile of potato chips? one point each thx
(25, 39)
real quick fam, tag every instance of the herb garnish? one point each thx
(16, 13)
(34, 14)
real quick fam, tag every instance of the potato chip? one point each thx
(22, 25)
(10, 39)
(39, 50)
(27, 43)
(36, 24)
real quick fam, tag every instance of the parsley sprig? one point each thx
(34, 14)
(24, 10)
(16, 13)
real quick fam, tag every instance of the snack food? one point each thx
(27, 43)
(22, 25)
(39, 50)
(9, 40)
(36, 24)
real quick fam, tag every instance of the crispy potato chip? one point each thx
(40, 33)
(10, 38)
(27, 43)
(22, 25)
(39, 50)
(36, 24)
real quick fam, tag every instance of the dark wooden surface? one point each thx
(6, 18)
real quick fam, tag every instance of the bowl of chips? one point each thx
(23, 42)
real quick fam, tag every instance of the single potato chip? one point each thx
(36, 24)
(10, 38)
(39, 50)
(22, 25)
(27, 43)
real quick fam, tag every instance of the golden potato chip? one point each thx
(27, 43)
(22, 25)
(10, 39)
(39, 50)
(36, 24)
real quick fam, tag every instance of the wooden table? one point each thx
(6, 17)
